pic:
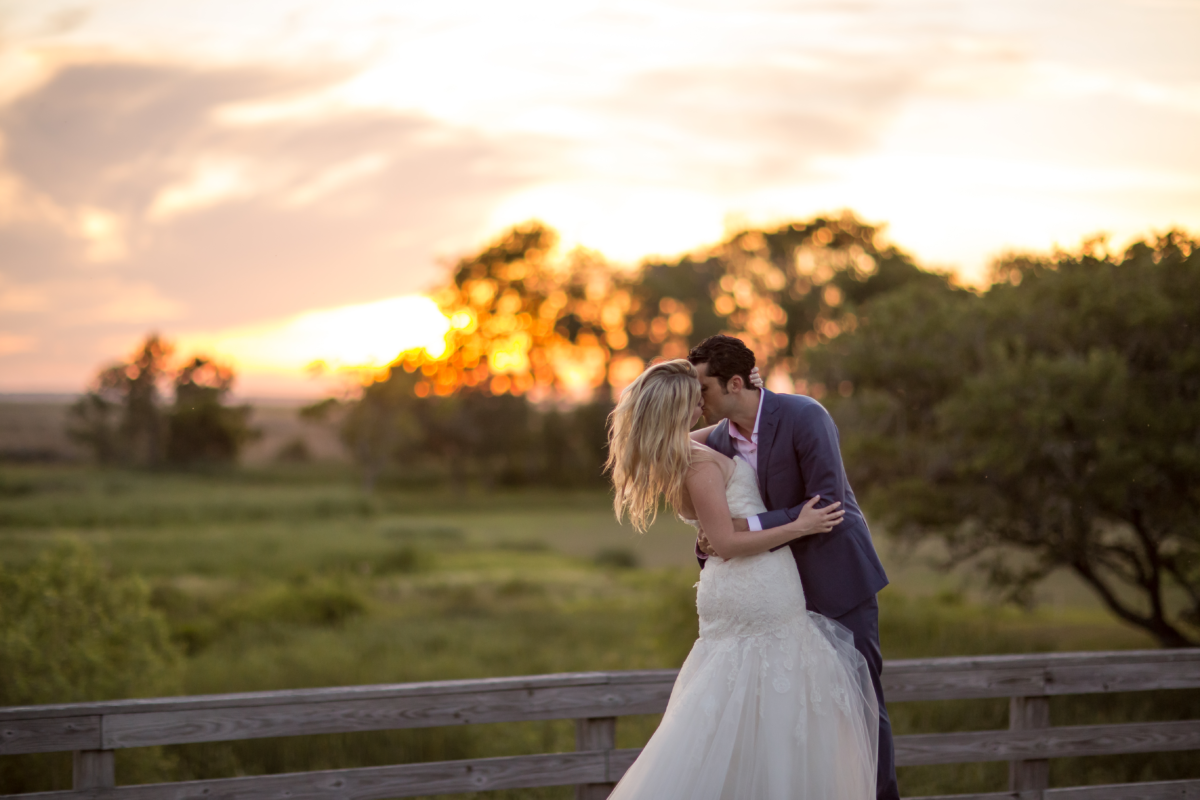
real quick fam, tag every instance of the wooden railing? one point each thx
(595, 699)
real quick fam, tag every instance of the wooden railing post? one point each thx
(92, 769)
(595, 733)
(1028, 713)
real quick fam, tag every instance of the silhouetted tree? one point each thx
(380, 427)
(1055, 417)
(121, 418)
(201, 428)
(124, 419)
(523, 323)
(526, 323)
(783, 291)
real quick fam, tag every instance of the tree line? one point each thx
(1048, 421)
(540, 344)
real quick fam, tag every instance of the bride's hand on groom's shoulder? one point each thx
(756, 378)
(817, 520)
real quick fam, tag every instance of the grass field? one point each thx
(276, 578)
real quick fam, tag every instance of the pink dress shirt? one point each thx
(748, 449)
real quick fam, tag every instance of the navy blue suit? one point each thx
(799, 457)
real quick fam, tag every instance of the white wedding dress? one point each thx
(773, 702)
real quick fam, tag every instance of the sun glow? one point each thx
(355, 337)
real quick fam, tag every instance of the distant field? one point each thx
(33, 428)
(290, 576)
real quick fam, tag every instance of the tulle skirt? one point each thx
(771, 704)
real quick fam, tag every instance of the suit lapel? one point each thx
(766, 438)
(720, 440)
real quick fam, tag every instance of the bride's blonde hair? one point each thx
(649, 450)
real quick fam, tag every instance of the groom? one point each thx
(792, 443)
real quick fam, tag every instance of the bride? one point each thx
(773, 701)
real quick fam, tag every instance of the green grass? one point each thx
(294, 578)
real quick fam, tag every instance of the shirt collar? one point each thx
(736, 433)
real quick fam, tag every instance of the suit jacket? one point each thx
(798, 457)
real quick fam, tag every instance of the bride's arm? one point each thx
(706, 489)
(701, 434)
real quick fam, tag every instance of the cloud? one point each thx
(132, 200)
(766, 122)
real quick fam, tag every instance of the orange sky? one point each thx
(266, 179)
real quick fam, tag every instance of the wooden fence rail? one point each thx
(92, 731)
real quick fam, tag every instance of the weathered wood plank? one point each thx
(619, 762)
(1032, 795)
(595, 733)
(1081, 740)
(1150, 791)
(1028, 713)
(338, 693)
(49, 735)
(409, 711)
(369, 783)
(1040, 674)
(1132, 677)
(924, 679)
(93, 769)
(965, 683)
(1157, 790)
(1098, 658)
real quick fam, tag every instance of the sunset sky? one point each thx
(274, 180)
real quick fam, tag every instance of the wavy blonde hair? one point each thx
(649, 450)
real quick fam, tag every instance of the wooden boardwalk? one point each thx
(92, 731)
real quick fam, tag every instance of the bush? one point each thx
(69, 632)
(314, 602)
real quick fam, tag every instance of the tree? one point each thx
(522, 322)
(124, 419)
(527, 321)
(783, 291)
(1052, 422)
(380, 426)
(201, 428)
(120, 419)
(569, 330)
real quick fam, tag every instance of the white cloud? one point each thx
(210, 184)
(337, 177)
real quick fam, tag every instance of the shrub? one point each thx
(69, 632)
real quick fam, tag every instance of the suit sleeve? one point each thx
(818, 452)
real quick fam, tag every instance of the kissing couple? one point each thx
(780, 697)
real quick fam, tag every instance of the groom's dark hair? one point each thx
(726, 357)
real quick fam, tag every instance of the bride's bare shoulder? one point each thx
(702, 453)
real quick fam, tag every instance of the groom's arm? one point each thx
(819, 455)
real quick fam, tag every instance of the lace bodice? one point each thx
(741, 493)
(751, 596)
